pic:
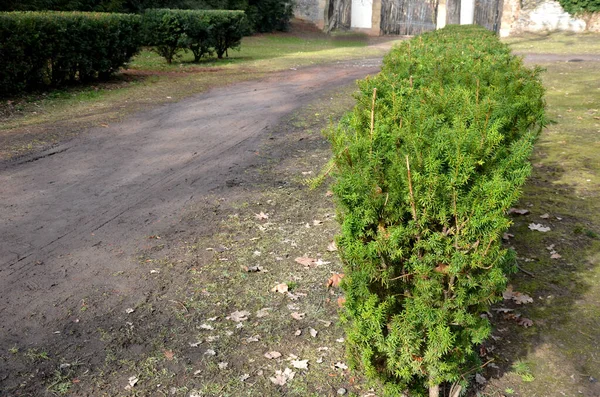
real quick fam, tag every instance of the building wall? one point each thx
(308, 10)
(541, 15)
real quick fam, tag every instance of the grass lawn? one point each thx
(555, 43)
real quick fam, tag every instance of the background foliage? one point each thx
(579, 7)
(52, 48)
(263, 15)
(426, 171)
(201, 31)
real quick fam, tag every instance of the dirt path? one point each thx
(72, 217)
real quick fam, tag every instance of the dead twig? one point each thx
(525, 271)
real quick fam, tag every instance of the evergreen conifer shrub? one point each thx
(426, 166)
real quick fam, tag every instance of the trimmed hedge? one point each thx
(263, 15)
(201, 31)
(426, 168)
(51, 48)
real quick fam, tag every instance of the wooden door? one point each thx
(408, 17)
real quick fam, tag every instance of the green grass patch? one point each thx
(555, 43)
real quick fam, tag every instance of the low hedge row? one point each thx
(201, 31)
(426, 166)
(51, 48)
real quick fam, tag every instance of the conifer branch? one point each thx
(412, 196)
(373, 116)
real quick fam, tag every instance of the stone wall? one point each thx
(309, 10)
(520, 16)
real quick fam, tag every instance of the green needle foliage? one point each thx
(426, 166)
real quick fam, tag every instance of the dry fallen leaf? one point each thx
(300, 364)
(507, 236)
(253, 269)
(210, 352)
(555, 255)
(238, 316)
(169, 354)
(298, 316)
(518, 211)
(244, 377)
(298, 332)
(332, 247)
(325, 323)
(133, 380)
(317, 222)
(263, 312)
(329, 193)
(518, 297)
(340, 365)
(281, 288)
(539, 227)
(273, 354)
(206, 326)
(281, 377)
(525, 322)
(261, 216)
(321, 262)
(313, 332)
(545, 216)
(334, 280)
(306, 261)
(340, 301)
(223, 365)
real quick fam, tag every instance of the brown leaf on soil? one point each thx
(525, 322)
(261, 216)
(555, 255)
(340, 301)
(298, 316)
(518, 211)
(334, 280)
(539, 227)
(332, 247)
(518, 297)
(441, 268)
(272, 354)
(545, 216)
(253, 269)
(169, 354)
(329, 193)
(306, 261)
(282, 288)
(507, 236)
